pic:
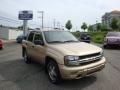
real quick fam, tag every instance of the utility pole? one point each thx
(54, 23)
(42, 12)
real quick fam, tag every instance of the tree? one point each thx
(68, 25)
(118, 24)
(98, 27)
(104, 27)
(114, 23)
(84, 26)
(20, 27)
(90, 28)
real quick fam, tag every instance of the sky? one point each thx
(78, 11)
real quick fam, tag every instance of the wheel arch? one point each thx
(23, 51)
(48, 58)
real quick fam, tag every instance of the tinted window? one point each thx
(38, 37)
(84, 35)
(113, 34)
(30, 37)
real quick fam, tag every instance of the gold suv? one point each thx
(63, 56)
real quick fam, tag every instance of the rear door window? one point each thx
(38, 36)
(30, 37)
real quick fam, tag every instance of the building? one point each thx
(94, 26)
(107, 17)
(8, 34)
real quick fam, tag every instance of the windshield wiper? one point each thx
(56, 42)
(71, 41)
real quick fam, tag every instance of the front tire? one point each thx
(105, 46)
(53, 72)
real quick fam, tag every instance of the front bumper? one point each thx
(112, 43)
(81, 71)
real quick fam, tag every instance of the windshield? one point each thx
(59, 37)
(113, 34)
(84, 35)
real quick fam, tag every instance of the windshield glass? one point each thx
(59, 37)
(113, 34)
(84, 35)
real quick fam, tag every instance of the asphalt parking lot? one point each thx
(16, 75)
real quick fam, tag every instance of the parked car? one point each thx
(63, 56)
(112, 39)
(85, 38)
(20, 38)
(1, 44)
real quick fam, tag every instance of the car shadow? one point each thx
(79, 83)
(113, 48)
(17, 69)
(33, 75)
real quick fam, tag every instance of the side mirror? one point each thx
(39, 42)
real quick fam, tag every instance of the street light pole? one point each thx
(42, 20)
(42, 12)
(25, 28)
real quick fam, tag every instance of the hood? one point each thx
(80, 48)
(113, 37)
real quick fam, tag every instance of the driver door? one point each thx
(39, 50)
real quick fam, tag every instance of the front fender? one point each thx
(58, 57)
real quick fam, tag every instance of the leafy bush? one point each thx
(97, 37)
(76, 34)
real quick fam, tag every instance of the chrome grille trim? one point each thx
(90, 59)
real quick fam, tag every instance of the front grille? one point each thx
(91, 58)
(90, 55)
(86, 63)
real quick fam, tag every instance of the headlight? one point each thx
(102, 53)
(71, 60)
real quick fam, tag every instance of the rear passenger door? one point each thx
(30, 44)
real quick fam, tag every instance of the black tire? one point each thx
(53, 74)
(105, 46)
(2, 48)
(25, 57)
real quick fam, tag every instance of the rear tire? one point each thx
(53, 72)
(2, 48)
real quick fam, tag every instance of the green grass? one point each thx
(97, 37)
